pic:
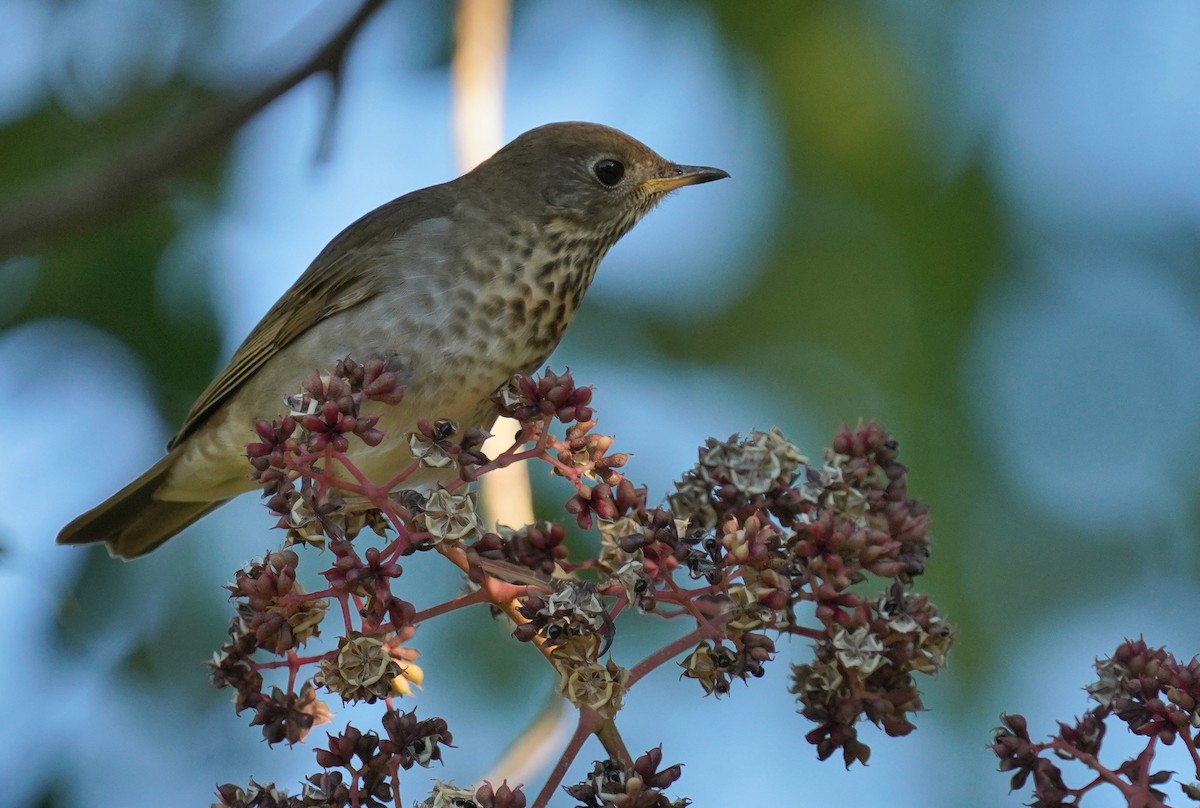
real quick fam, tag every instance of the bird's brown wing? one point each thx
(340, 278)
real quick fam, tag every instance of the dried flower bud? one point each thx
(588, 684)
(709, 666)
(289, 716)
(527, 398)
(449, 516)
(360, 670)
(636, 786)
(412, 742)
(431, 443)
(503, 797)
(448, 795)
(254, 796)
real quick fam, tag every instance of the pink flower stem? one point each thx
(1136, 794)
(802, 631)
(344, 600)
(292, 661)
(589, 722)
(1190, 743)
(478, 596)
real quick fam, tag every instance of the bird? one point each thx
(457, 287)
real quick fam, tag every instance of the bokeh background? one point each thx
(978, 222)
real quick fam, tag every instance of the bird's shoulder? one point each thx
(345, 274)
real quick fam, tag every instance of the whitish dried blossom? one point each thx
(748, 613)
(708, 665)
(824, 678)
(859, 649)
(753, 469)
(850, 501)
(817, 479)
(612, 531)
(413, 742)
(755, 464)
(361, 670)
(306, 620)
(448, 795)
(639, 785)
(572, 615)
(904, 624)
(302, 402)
(431, 449)
(590, 684)
(574, 612)
(449, 516)
(324, 789)
(256, 794)
(1108, 686)
(579, 602)
(933, 647)
(788, 454)
(509, 396)
(692, 500)
(338, 520)
(303, 525)
(638, 586)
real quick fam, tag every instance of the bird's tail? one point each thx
(132, 521)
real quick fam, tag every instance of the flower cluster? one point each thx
(359, 769)
(366, 668)
(434, 445)
(753, 537)
(527, 398)
(715, 666)
(574, 610)
(324, 415)
(447, 795)
(864, 666)
(272, 604)
(635, 785)
(274, 615)
(539, 547)
(368, 578)
(1147, 689)
(764, 531)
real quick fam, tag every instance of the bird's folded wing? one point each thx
(340, 278)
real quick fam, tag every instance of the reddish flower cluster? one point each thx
(527, 398)
(276, 616)
(369, 576)
(538, 547)
(635, 785)
(573, 609)
(752, 533)
(369, 765)
(766, 531)
(1152, 693)
(486, 796)
(435, 446)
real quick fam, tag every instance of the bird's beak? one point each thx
(678, 176)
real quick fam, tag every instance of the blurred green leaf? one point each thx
(108, 278)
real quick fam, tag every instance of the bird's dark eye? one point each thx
(609, 172)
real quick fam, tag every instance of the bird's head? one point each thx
(594, 175)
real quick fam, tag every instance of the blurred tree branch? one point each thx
(86, 197)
